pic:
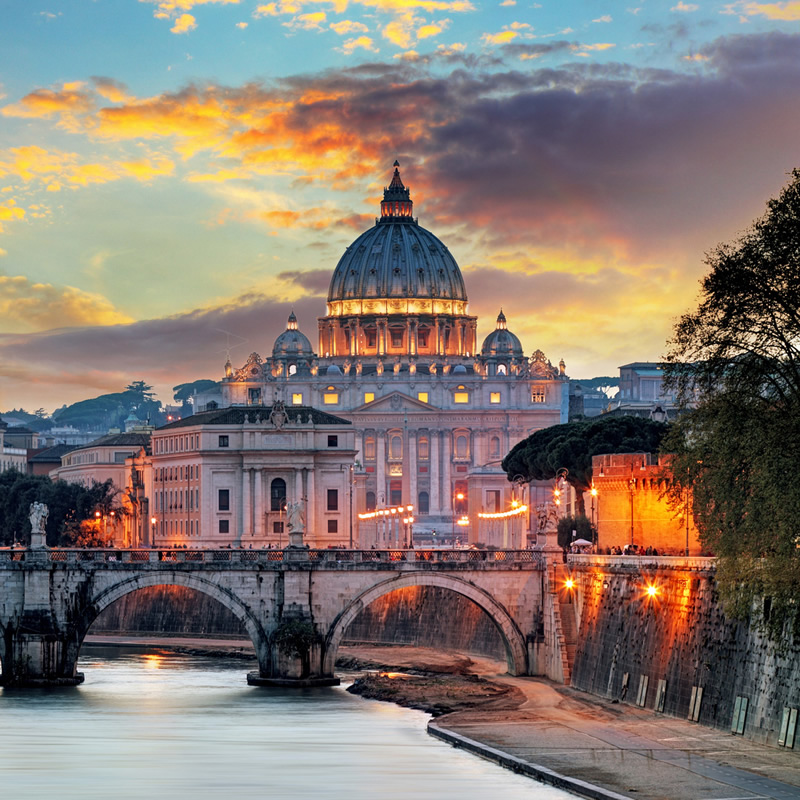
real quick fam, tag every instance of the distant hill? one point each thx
(603, 383)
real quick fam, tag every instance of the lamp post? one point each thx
(153, 521)
(631, 487)
(593, 492)
(457, 498)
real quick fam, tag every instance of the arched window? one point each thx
(423, 448)
(396, 446)
(371, 501)
(277, 495)
(369, 448)
(292, 369)
(494, 446)
(462, 445)
(423, 504)
(502, 369)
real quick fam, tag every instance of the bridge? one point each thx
(295, 604)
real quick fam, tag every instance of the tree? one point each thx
(572, 445)
(184, 391)
(735, 363)
(580, 524)
(69, 504)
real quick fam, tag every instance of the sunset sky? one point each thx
(176, 175)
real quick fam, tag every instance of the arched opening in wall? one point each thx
(277, 495)
(423, 505)
(426, 626)
(163, 617)
(370, 499)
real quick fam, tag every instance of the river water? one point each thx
(162, 725)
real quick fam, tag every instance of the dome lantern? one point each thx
(397, 205)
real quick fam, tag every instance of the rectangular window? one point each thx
(493, 501)
(330, 398)
(423, 396)
(297, 399)
(537, 394)
(494, 397)
(223, 441)
(369, 397)
(461, 397)
(277, 527)
(254, 397)
(422, 338)
(224, 526)
(224, 499)
(333, 499)
(371, 337)
(397, 338)
(333, 441)
(333, 526)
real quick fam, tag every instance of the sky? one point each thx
(177, 175)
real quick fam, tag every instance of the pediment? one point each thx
(395, 402)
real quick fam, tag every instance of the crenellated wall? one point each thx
(680, 635)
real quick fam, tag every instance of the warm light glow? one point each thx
(652, 590)
(97, 514)
(463, 521)
(594, 492)
(153, 520)
(382, 512)
(459, 495)
(514, 503)
(569, 583)
(515, 512)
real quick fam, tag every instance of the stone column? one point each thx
(447, 460)
(247, 504)
(298, 488)
(380, 441)
(412, 470)
(434, 470)
(313, 514)
(258, 510)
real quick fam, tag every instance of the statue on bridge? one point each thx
(547, 526)
(296, 519)
(38, 518)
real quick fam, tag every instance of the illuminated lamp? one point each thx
(569, 584)
(652, 590)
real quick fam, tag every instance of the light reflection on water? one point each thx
(162, 725)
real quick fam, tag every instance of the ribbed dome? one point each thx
(501, 342)
(397, 258)
(292, 342)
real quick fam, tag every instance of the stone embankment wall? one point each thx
(630, 641)
(417, 615)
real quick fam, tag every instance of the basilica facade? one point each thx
(433, 411)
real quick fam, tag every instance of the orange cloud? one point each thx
(785, 12)
(184, 23)
(44, 103)
(29, 306)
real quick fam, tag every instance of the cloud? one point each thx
(29, 306)
(604, 18)
(504, 37)
(360, 42)
(184, 23)
(788, 11)
(347, 26)
(685, 7)
(45, 103)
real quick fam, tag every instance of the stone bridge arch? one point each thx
(513, 639)
(223, 595)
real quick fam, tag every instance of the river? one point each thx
(154, 724)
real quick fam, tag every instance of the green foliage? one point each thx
(735, 363)
(68, 505)
(295, 637)
(572, 445)
(111, 410)
(183, 391)
(38, 421)
(580, 524)
(596, 384)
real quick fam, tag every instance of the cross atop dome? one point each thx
(397, 205)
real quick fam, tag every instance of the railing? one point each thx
(329, 557)
(639, 562)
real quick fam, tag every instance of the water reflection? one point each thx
(162, 725)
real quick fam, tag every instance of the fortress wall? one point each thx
(682, 636)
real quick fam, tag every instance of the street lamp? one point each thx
(593, 492)
(561, 476)
(458, 497)
(153, 521)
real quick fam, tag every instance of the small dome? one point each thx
(292, 343)
(333, 370)
(459, 369)
(501, 342)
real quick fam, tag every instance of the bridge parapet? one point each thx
(641, 563)
(276, 559)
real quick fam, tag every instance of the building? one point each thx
(630, 507)
(433, 411)
(226, 478)
(11, 457)
(642, 393)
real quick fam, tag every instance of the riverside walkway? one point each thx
(608, 751)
